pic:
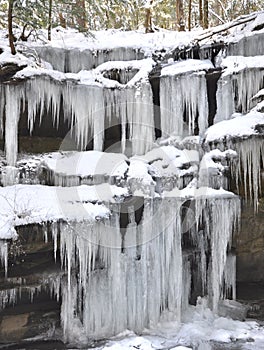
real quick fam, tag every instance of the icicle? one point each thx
(54, 230)
(247, 46)
(133, 108)
(224, 99)
(4, 254)
(248, 172)
(230, 278)
(180, 104)
(75, 60)
(84, 109)
(235, 91)
(45, 233)
(225, 214)
(141, 120)
(125, 281)
(13, 97)
(2, 109)
(186, 282)
(43, 95)
(8, 297)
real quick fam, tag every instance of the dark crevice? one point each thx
(211, 83)
(154, 79)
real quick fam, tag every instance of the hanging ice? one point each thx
(247, 141)
(240, 81)
(134, 279)
(248, 172)
(85, 104)
(182, 108)
(4, 254)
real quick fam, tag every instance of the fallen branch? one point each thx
(225, 27)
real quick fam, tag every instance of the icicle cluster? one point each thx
(51, 283)
(220, 217)
(8, 297)
(183, 99)
(84, 107)
(248, 172)
(133, 107)
(116, 288)
(134, 279)
(247, 46)
(76, 60)
(235, 91)
(4, 254)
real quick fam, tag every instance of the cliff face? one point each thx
(250, 245)
(129, 211)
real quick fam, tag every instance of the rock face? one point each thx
(8, 70)
(28, 309)
(250, 245)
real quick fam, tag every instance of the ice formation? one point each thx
(109, 269)
(66, 60)
(182, 108)
(78, 168)
(4, 254)
(241, 80)
(137, 275)
(247, 142)
(86, 107)
(105, 295)
(248, 172)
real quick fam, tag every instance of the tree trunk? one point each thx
(206, 8)
(10, 27)
(201, 13)
(62, 20)
(190, 15)
(180, 15)
(50, 20)
(81, 16)
(148, 24)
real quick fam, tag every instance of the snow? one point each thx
(211, 170)
(110, 39)
(199, 193)
(201, 330)
(95, 76)
(247, 141)
(85, 164)
(26, 204)
(186, 66)
(19, 59)
(229, 128)
(235, 64)
(144, 67)
(137, 172)
(169, 160)
(259, 94)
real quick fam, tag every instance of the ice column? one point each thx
(123, 280)
(13, 97)
(248, 171)
(183, 98)
(133, 108)
(222, 215)
(235, 91)
(4, 254)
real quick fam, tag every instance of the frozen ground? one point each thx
(201, 330)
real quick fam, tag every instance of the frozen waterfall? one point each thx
(134, 280)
